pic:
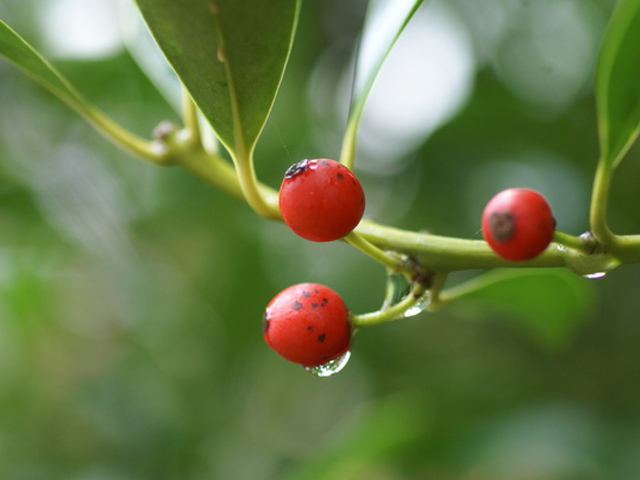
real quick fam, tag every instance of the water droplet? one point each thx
(331, 367)
(561, 247)
(595, 275)
(418, 308)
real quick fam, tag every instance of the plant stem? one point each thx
(392, 261)
(215, 170)
(190, 118)
(571, 241)
(348, 151)
(434, 253)
(443, 254)
(599, 202)
(253, 194)
(627, 248)
(437, 284)
(392, 313)
(151, 151)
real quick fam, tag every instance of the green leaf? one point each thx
(230, 55)
(385, 21)
(23, 55)
(549, 303)
(617, 86)
(16, 50)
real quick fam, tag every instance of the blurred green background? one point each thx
(131, 296)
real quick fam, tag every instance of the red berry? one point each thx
(518, 224)
(321, 200)
(307, 324)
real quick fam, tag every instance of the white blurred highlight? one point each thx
(81, 29)
(424, 82)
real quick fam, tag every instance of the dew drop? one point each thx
(331, 367)
(595, 275)
(418, 308)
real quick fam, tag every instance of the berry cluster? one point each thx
(322, 200)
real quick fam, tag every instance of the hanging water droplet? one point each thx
(331, 367)
(595, 275)
(419, 307)
(561, 248)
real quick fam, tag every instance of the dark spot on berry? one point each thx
(502, 226)
(314, 305)
(306, 294)
(340, 176)
(265, 323)
(322, 338)
(296, 169)
(310, 328)
(324, 162)
(296, 305)
(316, 291)
(353, 182)
(325, 300)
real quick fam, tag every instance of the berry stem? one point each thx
(348, 152)
(571, 241)
(392, 261)
(418, 294)
(216, 171)
(438, 281)
(119, 135)
(250, 186)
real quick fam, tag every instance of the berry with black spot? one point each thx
(307, 324)
(518, 224)
(321, 200)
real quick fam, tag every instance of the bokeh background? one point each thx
(131, 296)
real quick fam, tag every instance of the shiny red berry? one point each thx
(518, 224)
(307, 324)
(321, 200)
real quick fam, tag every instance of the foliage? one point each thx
(131, 296)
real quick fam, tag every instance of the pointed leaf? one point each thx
(550, 303)
(230, 56)
(18, 51)
(617, 86)
(385, 22)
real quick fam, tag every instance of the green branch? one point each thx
(190, 118)
(599, 203)
(417, 299)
